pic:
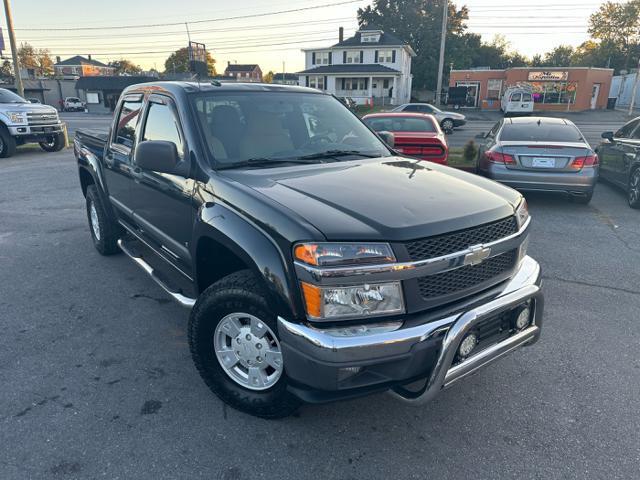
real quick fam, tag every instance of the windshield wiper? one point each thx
(337, 153)
(265, 161)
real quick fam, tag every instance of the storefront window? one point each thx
(554, 92)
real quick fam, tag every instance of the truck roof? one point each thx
(215, 86)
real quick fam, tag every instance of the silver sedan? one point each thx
(539, 154)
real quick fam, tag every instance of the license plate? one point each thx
(543, 162)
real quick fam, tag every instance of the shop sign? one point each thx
(548, 76)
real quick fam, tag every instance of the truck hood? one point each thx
(390, 199)
(27, 107)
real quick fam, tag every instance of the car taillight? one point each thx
(494, 156)
(588, 161)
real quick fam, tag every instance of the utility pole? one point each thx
(443, 36)
(14, 50)
(635, 89)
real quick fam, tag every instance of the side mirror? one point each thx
(157, 155)
(481, 135)
(388, 138)
(607, 136)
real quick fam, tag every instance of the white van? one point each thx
(517, 100)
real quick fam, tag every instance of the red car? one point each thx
(416, 134)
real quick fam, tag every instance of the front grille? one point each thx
(454, 242)
(42, 118)
(447, 283)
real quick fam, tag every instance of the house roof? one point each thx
(385, 39)
(80, 60)
(104, 82)
(238, 67)
(351, 68)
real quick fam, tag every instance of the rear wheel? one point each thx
(633, 192)
(447, 124)
(235, 347)
(53, 143)
(7, 143)
(104, 227)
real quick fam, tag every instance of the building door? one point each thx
(473, 89)
(594, 95)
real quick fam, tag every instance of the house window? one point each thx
(353, 56)
(317, 82)
(385, 56)
(494, 87)
(354, 83)
(321, 58)
(369, 37)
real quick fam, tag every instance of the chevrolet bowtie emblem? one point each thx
(477, 255)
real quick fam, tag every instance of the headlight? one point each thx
(340, 254)
(16, 117)
(328, 303)
(522, 213)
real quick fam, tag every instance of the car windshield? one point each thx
(540, 132)
(73, 99)
(400, 124)
(268, 129)
(7, 96)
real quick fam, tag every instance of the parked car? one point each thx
(448, 120)
(24, 122)
(73, 104)
(33, 100)
(316, 264)
(620, 159)
(415, 134)
(539, 153)
(517, 100)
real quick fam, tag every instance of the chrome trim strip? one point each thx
(405, 270)
(186, 302)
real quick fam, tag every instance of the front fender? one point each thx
(256, 248)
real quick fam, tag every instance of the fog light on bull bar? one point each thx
(467, 345)
(347, 372)
(523, 318)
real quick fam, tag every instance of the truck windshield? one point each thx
(7, 96)
(265, 129)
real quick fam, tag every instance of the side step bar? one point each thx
(186, 302)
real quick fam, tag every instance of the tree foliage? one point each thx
(618, 25)
(178, 62)
(125, 67)
(37, 59)
(268, 77)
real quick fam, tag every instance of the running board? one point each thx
(186, 302)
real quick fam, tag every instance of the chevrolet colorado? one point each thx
(317, 264)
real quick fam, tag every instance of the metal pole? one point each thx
(635, 89)
(443, 36)
(14, 50)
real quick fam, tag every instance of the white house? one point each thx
(370, 66)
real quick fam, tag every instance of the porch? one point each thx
(379, 90)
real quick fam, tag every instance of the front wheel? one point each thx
(54, 143)
(7, 144)
(633, 193)
(235, 347)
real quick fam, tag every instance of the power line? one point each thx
(153, 25)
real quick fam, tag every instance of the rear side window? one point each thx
(627, 129)
(126, 126)
(401, 124)
(162, 124)
(540, 132)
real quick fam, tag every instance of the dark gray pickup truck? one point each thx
(317, 264)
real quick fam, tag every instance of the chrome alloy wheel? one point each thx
(248, 351)
(95, 225)
(634, 187)
(447, 125)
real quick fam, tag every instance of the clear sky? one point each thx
(267, 40)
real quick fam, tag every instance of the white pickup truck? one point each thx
(24, 122)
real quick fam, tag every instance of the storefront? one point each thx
(562, 89)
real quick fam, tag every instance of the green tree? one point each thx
(561, 56)
(6, 71)
(268, 77)
(536, 60)
(178, 62)
(618, 25)
(37, 59)
(125, 67)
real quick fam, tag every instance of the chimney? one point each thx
(57, 58)
(340, 34)
(89, 56)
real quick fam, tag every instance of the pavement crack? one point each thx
(589, 284)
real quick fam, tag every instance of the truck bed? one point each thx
(93, 140)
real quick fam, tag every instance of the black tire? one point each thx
(109, 231)
(55, 145)
(7, 143)
(633, 189)
(238, 292)
(447, 124)
(583, 199)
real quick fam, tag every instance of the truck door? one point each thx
(161, 202)
(118, 170)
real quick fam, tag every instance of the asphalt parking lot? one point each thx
(97, 380)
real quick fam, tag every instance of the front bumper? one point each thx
(35, 130)
(321, 365)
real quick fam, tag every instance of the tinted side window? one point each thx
(626, 130)
(411, 108)
(162, 124)
(126, 126)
